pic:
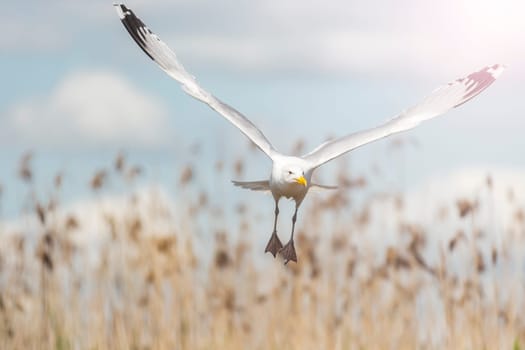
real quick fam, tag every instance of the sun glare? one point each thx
(495, 20)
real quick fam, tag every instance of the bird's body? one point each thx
(291, 176)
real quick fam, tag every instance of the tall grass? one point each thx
(149, 288)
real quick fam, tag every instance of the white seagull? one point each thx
(291, 176)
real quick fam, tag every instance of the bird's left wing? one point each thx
(161, 54)
(444, 98)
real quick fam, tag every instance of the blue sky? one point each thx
(76, 90)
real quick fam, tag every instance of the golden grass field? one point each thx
(149, 288)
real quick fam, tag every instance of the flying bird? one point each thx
(291, 176)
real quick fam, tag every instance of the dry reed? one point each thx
(151, 289)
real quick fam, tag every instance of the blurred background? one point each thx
(119, 225)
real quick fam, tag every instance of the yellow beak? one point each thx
(301, 180)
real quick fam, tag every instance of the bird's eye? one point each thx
(289, 172)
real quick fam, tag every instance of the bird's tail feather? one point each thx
(253, 185)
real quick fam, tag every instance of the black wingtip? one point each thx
(135, 27)
(478, 81)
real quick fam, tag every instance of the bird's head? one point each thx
(294, 175)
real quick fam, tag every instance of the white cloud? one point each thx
(89, 108)
(308, 36)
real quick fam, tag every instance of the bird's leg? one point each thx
(274, 244)
(288, 251)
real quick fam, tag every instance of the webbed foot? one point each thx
(288, 252)
(274, 245)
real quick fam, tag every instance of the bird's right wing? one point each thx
(444, 98)
(161, 54)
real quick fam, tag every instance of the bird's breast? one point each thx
(288, 190)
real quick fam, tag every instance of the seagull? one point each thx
(291, 176)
